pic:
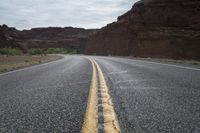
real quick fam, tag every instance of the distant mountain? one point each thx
(51, 37)
(152, 28)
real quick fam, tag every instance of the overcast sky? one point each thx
(26, 14)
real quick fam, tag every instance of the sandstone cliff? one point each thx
(152, 28)
(51, 37)
(8, 37)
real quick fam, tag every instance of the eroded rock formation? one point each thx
(51, 37)
(152, 28)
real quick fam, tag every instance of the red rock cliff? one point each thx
(152, 28)
(51, 37)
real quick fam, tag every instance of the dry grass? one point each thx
(8, 63)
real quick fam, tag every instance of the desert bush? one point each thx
(36, 51)
(57, 51)
(52, 51)
(73, 52)
(10, 51)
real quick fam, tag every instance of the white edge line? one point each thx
(190, 68)
(164, 64)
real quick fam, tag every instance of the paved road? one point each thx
(148, 97)
(45, 98)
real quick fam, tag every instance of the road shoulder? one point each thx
(182, 63)
(10, 63)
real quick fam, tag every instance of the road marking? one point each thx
(111, 124)
(99, 116)
(135, 80)
(164, 64)
(90, 118)
(120, 72)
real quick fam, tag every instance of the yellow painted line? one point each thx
(90, 125)
(90, 119)
(111, 124)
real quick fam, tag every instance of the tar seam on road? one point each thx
(100, 108)
(100, 116)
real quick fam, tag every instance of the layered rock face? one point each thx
(152, 28)
(52, 37)
(2, 36)
(8, 37)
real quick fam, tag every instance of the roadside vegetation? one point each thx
(8, 63)
(60, 51)
(36, 51)
(14, 58)
(10, 51)
(51, 51)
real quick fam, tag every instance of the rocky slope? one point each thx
(51, 37)
(8, 37)
(152, 28)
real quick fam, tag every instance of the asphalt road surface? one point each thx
(147, 97)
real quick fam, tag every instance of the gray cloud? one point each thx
(25, 14)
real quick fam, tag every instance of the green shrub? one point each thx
(36, 51)
(26, 61)
(52, 51)
(10, 51)
(73, 52)
(56, 51)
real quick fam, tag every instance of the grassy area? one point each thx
(10, 51)
(8, 63)
(37, 51)
(51, 51)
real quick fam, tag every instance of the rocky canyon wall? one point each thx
(152, 28)
(51, 37)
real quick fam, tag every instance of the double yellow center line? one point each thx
(99, 105)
